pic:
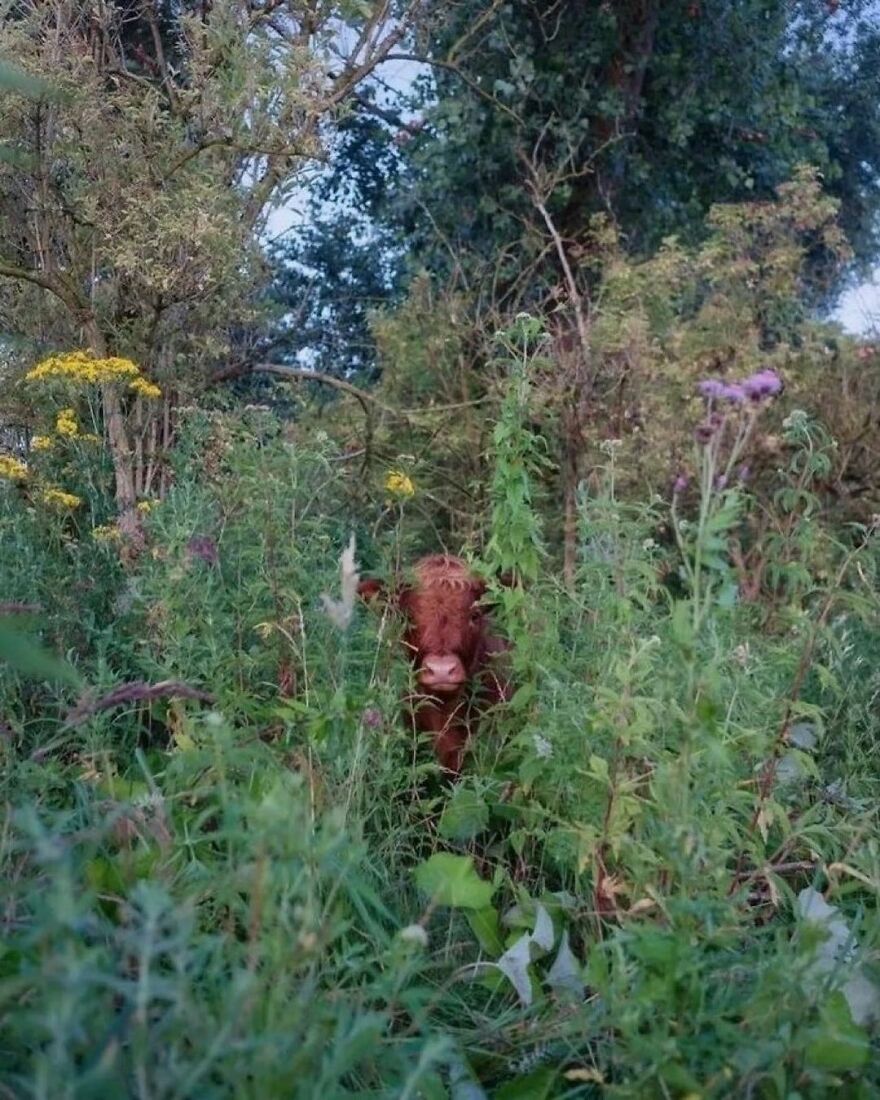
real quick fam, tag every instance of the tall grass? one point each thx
(233, 897)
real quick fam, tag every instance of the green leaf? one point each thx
(537, 1085)
(486, 926)
(838, 1044)
(452, 880)
(464, 816)
(31, 660)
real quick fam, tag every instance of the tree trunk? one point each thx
(121, 453)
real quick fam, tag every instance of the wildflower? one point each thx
(399, 484)
(721, 481)
(414, 933)
(57, 498)
(83, 366)
(744, 472)
(372, 718)
(711, 388)
(12, 468)
(734, 392)
(648, 544)
(681, 483)
(107, 532)
(145, 506)
(66, 423)
(704, 433)
(766, 383)
(42, 443)
(609, 446)
(145, 388)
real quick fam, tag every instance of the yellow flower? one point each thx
(57, 498)
(83, 366)
(145, 388)
(12, 468)
(42, 443)
(90, 437)
(107, 532)
(145, 506)
(399, 484)
(66, 424)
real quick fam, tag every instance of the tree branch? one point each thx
(364, 397)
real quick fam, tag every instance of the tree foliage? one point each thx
(131, 227)
(530, 119)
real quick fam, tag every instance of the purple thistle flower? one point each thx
(734, 392)
(372, 718)
(765, 383)
(721, 481)
(681, 483)
(744, 473)
(711, 387)
(704, 433)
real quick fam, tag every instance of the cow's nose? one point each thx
(441, 670)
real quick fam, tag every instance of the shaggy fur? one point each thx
(448, 640)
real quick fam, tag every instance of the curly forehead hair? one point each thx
(443, 570)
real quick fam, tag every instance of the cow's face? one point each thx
(445, 623)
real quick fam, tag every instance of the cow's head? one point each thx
(445, 622)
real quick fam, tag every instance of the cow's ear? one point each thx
(370, 588)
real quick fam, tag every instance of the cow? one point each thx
(457, 660)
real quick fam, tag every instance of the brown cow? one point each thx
(448, 641)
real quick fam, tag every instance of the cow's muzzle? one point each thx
(442, 673)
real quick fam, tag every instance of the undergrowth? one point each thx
(228, 869)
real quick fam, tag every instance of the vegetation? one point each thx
(227, 867)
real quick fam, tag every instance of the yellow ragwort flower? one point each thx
(399, 484)
(83, 366)
(42, 443)
(12, 468)
(57, 498)
(107, 532)
(145, 388)
(66, 423)
(145, 506)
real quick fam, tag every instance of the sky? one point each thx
(859, 308)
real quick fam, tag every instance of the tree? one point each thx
(536, 117)
(648, 112)
(132, 225)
